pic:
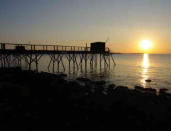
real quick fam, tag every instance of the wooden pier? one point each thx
(12, 54)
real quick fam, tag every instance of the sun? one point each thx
(146, 44)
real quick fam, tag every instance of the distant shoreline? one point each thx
(141, 53)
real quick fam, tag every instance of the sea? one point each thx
(130, 70)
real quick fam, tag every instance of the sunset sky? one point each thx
(125, 23)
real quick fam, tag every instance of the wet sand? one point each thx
(35, 101)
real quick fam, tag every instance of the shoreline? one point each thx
(30, 98)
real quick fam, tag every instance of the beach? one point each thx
(31, 100)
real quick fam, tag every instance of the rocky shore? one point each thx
(35, 101)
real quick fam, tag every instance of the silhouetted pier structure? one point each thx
(12, 54)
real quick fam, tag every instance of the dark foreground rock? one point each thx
(37, 101)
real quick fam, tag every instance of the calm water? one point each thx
(131, 70)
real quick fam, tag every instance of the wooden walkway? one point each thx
(45, 49)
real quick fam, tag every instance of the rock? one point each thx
(83, 79)
(122, 90)
(25, 91)
(149, 90)
(110, 89)
(74, 84)
(163, 91)
(45, 97)
(112, 86)
(62, 75)
(99, 83)
(139, 88)
(148, 80)
(99, 90)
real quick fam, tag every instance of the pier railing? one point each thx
(56, 48)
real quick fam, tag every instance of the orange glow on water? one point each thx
(145, 63)
(145, 66)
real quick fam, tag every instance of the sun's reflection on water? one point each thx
(145, 66)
